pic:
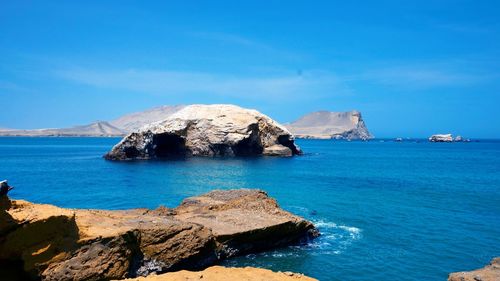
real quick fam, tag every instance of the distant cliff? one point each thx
(330, 125)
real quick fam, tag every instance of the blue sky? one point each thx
(412, 68)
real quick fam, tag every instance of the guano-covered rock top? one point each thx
(208, 130)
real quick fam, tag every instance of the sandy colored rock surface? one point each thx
(74, 244)
(245, 220)
(219, 273)
(207, 130)
(490, 272)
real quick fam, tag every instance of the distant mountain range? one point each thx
(98, 129)
(133, 121)
(320, 124)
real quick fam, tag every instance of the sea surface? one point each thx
(386, 210)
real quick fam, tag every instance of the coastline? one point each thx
(79, 244)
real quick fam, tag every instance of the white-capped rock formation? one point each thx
(207, 130)
(441, 138)
(330, 125)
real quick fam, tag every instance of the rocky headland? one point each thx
(331, 125)
(39, 241)
(490, 272)
(207, 130)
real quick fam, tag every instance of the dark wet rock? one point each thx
(4, 188)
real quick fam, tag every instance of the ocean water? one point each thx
(386, 210)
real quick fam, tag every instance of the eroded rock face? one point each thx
(219, 273)
(238, 217)
(490, 272)
(207, 130)
(71, 244)
(53, 243)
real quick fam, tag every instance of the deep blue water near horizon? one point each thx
(386, 210)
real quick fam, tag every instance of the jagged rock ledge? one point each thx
(208, 130)
(219, 273)
(52, 243)
(490, 272)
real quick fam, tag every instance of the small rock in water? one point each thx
(441, 138)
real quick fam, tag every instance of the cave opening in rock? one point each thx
(131, 152)
(169, 145)
(250, 145)
(287, 141)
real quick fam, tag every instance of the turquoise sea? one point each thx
(386, 210)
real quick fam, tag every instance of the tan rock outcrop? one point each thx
(54, 243)
(219, 273)
(207, 130)
(244, 221)
(490, 272)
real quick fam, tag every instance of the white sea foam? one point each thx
(326, 228)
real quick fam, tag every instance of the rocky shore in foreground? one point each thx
(50, 243)
(490, 272)
(219, 273)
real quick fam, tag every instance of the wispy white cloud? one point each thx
(232, 39)
(423, 76)
(246, 42)
(10, 86)
(467, 28)
(177, 83)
